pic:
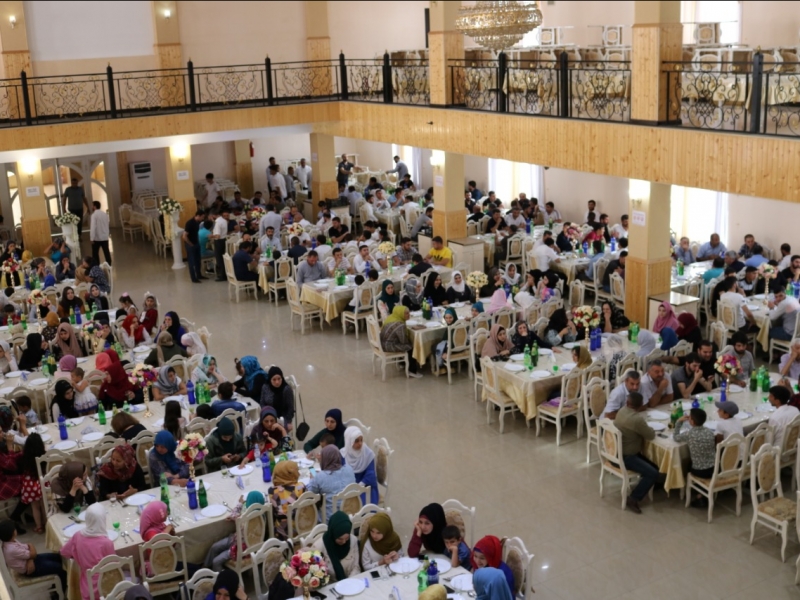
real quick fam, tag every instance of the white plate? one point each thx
(540, 374)
(545, 352)
(159, 424)
(137, 408)
(432, 324)
(178, 398)
(566, 367)
(743, 415)
(7, 390)
(65, 445)
(350, 587)
(514, 368)
(687, 405)
(40, 429)
(404, 565)
(214, 510)
(73, 529)
(138, 499)
(657, 426)
(517, 357)
(4, 328)
(79, 420)
(245, 470)
(442, 562)
(342, 288)
(112, 535)
(571, 345)
(39, 381)
(82, 360)
(416, 313)
(753, 306)
(413, 322)
(456, 305)
(735, 389)
(304, 462)
(462, 583)
(658, 415)
(46, 437)
(92, 437)
(13, 374)
(141, 349)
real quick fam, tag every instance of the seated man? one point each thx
(751, 284)
(323, 250)
(271, 240)
(296, 250)
(619, 395)
(712, 248)
(338, 261)
(635, 431)
(745, 321)
(732, 261)
(717, 269)
(224, 400)
(738, 348)
(656, 387)
(439, 254)
(65, 269)
(758, 258)
(683, 252)
(615, 266)
(786, 257)
(783, 314)
(784, 414)
(337, 231)
(242, 260)
(405, 251)
(748, 248)
(423, 220)
(310, 270)
(418, 265)
(688, 379)
(363, 259)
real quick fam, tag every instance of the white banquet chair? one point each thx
(166, 553)
(357, 423)
(494, 395)
(569, 405)
(365, 303)
(609, 440)
(305, 310)
(378, 353)
(253, 526)
(200, 585)
(728, 469)
(365, 514)
(463, 517)
(595, 397)
(266, 564)
(110, 571)
(765, 481)
(302, 515)
(520, 561)
(118, 593)
(458, 349)
(21, 586)
(238, 286)
(477, 341)
(349, 499)
(382, 455)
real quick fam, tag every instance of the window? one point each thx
(507, 179)
(726, 12)
(413, 159)
(697, 213)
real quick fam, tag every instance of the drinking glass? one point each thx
(115, 524)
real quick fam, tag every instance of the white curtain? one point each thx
(507, 179)
(726, 12)
(697, 213)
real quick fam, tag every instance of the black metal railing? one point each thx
(557, 87)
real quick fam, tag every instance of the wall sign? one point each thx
(181, 175)
(32, 191)
(639, 218)
(314, 157)
(438, 181)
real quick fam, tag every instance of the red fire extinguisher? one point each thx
(252, 150)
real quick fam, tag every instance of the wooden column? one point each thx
(180, 183)
(444, 43)
(318, 44)
(167, 46)
(124, 176)
(657, 37)
(244, 167)
(323, 167)
(15, 54)
(649, 265)
(35, 221)
(449, 214)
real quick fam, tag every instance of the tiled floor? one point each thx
(585, 546)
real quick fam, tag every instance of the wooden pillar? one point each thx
(323, 167)
(244, 167)
(318, 45)
(35, 221)
(15, 54)
(449, 214)
(444, 42)
(124, 177)
(648, 268)
(657, 37)
(180, 183)
(167, 37)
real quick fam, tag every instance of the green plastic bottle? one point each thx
(535, 355)
(754, 381)
(101, 415)
(164, 490)
(202, 497)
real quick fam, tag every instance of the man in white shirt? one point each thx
(737, 299)
(551, 214)
(783, 315)
(410, 209)
(338, 261)
(784, 414)
(515, 218)
(218, 234)
(381, 203)
(618, 396)
(213, 189)
(277, 182)
(99, 233)
(361, 260)
(545, 254)
(303, 173)
(323, 250)
(369, 207)
(271, 239)
(786, 254)
(400, 168)
(620, 230)
(271, 219)
(726, 424)
(656, 387)
(540, 242)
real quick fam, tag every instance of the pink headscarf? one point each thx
(498, 301)
(668, 320)
(67, 363)
(154, 516)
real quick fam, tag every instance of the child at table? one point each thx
(85, 400)
(702, 448)
(726, 425)
(358, 280)
(455, 548)
(24, 407)
(24, 559)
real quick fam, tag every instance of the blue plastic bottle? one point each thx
(190, 392)
(191, 491)
(366, 268)
(77, 315)
(265, 471)
(586, 248)
(314, 243)
(613, 244)
(723, 391)
(528, 226)
(62, 427)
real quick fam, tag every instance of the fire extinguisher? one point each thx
(252, 150)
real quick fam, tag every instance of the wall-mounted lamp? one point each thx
(29, 166)
(638, 190)
(437, 158)
(180, 151)
(12, 20)
(167, 13)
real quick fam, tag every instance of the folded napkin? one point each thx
(239, 482)
(89, 429)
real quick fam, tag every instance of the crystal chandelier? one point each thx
(498, 25)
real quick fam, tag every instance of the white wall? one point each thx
(773, 222)
(571, 190)
(367, 29)
(159, 164)
(768, 23)
(282, 148)
(217, 158)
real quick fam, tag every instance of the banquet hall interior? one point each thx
(674, 119)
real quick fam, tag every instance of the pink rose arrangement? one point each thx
(306, 568)
(142, 375)
(728, 366)
(192, 448)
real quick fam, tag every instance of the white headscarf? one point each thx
(6, 360)
(511, 280)
(612, 346)
(458, 287)
(95, 521)
(193, 343)
(647, 343)
(357, 459)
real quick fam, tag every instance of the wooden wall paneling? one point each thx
(36, 235)
(124, 178)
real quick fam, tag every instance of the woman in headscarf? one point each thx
(361, 459)
(523, 337)
(167, 384)
(69, 303)
(173, 419)
(121, 476)
(286, 488)
(149, 314)
(612, 319)
(103, 336)
(89, 546)
(339, 547)
(413, 297)
(669, 339)
(162, 459)
(96, 300)
(332, 478)
(269, 435)
(560, 329)
(388, 298)
(279, 395)
(227, 548)
(490, 584)
(488, 553)
(495, 283)
(132, 332)
(70, 486)
(689, 330)
(64, 398)
(434, 290)
(581, 356)
(333, 426)
(193, 343)
(666, 318)
(382, 544)
(33, 353)
(252, 378)
(647, 343)
(613, 352)
(225, 446)
(206, 372)
(10, 252)
(116, 387)
(477, 309)
(395, 337)
(51, 328)
(511, 277)
(531, 280)
(499, 300)
(227, 587)
(459, 291)
(428, 531)
(166, 349)
(67, 342)
(433, 592)
(172, 325)
(7, 361)
(498, 343)
(154, 521)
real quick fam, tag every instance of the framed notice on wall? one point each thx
(32, 191)
(639, 217)
(181, 175)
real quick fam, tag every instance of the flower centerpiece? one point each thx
(386, 248)
(257, 212)
(767, 271)
(169, 207)
(728, 366)
(10, 267)
(586, 317)
(67, 218)
(296, 229)
(192, 448)
(89, 328)
(477, 280)
(142, 376)
(306, 569)
(36, 296)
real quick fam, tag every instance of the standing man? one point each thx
(303, 173)
(400, 168)
(191, 240)
(219, 234)
(213, 189)
(277, 182)
(343, 172)
(74, 200)
(98, 233)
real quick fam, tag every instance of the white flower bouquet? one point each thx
(192, 448)
(585, 316)
(386, 248)
(169, 206)
(306, 569)
(767, 271)
(477, 279)
(67, 219)
(296, 229)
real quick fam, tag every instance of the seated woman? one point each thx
(96, 300)
(388, 299)
(89, 546)
(116, 388)
(612, 319)
(7, 361)
(149, 315)
(252, 378)
(67, 342)
(133, 333)
(666, 318)
(285, 490)
(172, 325)
(206, 372)
(64, 399)
(669, 339)
(459, 291)
(413, 297)
(477, 309)
(162, 459)
(173, 419)
(69, 303)
(58, 250)
(382, 545)
(613, 353)
(647, 343)
(333, 426)
(495, 283)
(498, 300)
(361, 459)
(511, 276)
(166, 349)
(193, 344)
(525, 338)
(428, 531)
(339, 547)
(582, 357)
(103, 336)
(435, 291)
(167, 384)
(491, 584)
(332, 478)
(498, 343)
(33, 353)
(227, 548)
(488, 552)
(127, 305)
(64, 269)
(440, 348)
(225, 446)
(689, 330)
(126, 426)
(70, 486)
(279, 395)
(560, 329)
(395, 337)
(121, 476)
